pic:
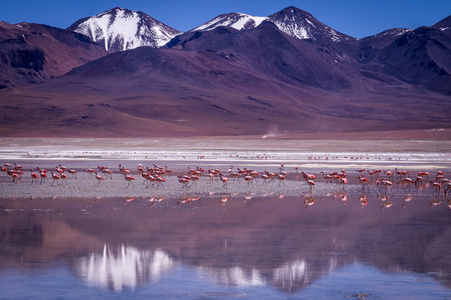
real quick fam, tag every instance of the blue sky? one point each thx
(356, 18)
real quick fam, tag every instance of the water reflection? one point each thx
(125, 267)
(287, 243)
(235, 276)
(291, 276)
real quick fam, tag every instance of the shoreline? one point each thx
(225, 143)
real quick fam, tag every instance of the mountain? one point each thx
(33, 53)
(246, 79)
(275, 54)
(121, 29)
(420, 57)
(291, 20)
(302, 25)
(247, 83)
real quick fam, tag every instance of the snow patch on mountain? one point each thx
(238, 21)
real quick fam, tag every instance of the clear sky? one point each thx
(356, 18)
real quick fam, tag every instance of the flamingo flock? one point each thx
(155, 176)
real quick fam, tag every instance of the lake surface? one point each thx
(313, 246)
(266, 241)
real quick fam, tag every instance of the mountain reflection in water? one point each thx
(128, 267)
(284, 243)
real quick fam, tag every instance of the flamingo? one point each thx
(328, 177)
(90, 171)
(159, 180)
(73, 172)
(344, 182)
(122, 169)
(281, 179)
(418, 180)
(140, 169)
(271, 176)
(235, 175)
(364, 182)
(15, 177)
(59, 170)
(423, 173)
(108, 172)
(385, 183)
(150, 179)
(439, 177)
(436, 185)
(63, 178)
(99, 179)
(55, 178)
(211, 175)
(4, 170)
(389, 174)
(265, 177)
(129, 178)
(168, 171)
(311, 184)
(308, 176)
(224, 180)
(249, 179)
(446, 186)
(184, 180)
(43, 176)
(408, 181)
(194, 179)
(34, 177)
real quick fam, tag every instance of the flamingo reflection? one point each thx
(341, 194)
(386, 204)
(407, 198)
(309, 200)
(223, 200)
(363, 200)
(435, 202)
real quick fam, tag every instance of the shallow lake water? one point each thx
(311, 246)
(262, 241)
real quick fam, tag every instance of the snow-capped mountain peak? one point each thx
(121, 29)
(291, 20)
(302, 25)
(238, 21)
